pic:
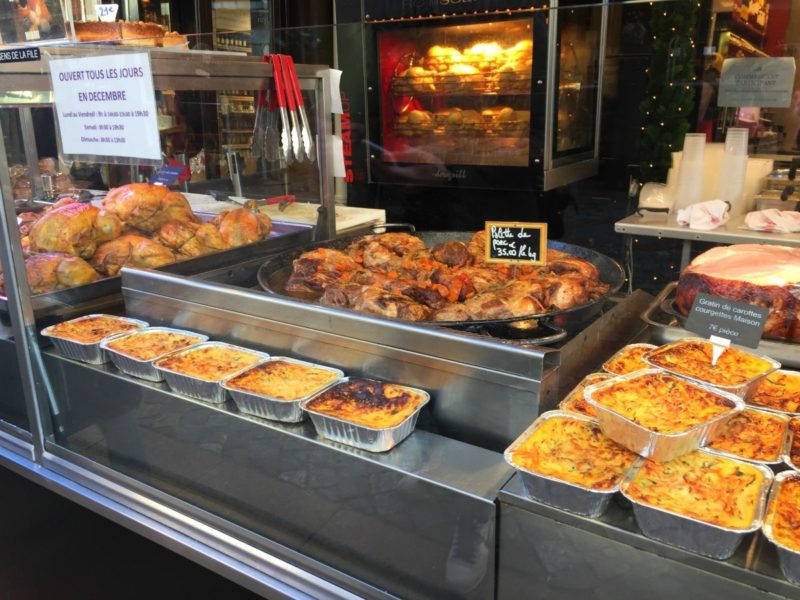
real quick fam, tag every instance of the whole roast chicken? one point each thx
(55, 271)
(148, 207)
(190, 239)
(130, 250)
(73, 228)
(243, 226)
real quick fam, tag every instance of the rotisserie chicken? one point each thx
(73, 228)
(148, 207)
(243, 226)
(190, 239)
(130, 250)
(54, 271)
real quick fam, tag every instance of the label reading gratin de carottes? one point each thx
(661, 402)
(367, 402)
(283, 380)
(209, 363)
(575, 402)
(148, 345)
(712, 489)
(784, 514)
(779, 391)
(91, 329)
(754, 435)
(629, 359)
(575, 451)
(693, 359)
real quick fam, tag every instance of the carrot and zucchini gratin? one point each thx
(283, 380)
(794, 448)
(575, 451)
(713, 489)
(661, 402)
(753, 435)
(88, 330)
(692, 358)
(779, 391)
(629, 359)
(576, 403)
(209, 363)
(784, 514)
(368, 402)
(148, 345)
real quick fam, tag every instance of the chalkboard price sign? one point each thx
(514, 242)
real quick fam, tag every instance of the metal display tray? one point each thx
(666, 325)
(72, 300)
(144, 369)
(276, 409)
(203, 389)
(91, 352)
(562, 494)
(360, 436)
(788, 558)
(654, 445)
(693, 534)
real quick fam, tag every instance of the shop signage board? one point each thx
(765, 82)
(513, 242)
(739, 322)
(22, 54)
(106, 107)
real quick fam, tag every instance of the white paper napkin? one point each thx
(704, 215)
(773, 220)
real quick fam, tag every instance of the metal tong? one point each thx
(305, 133)
(296, 142)
(280, 96)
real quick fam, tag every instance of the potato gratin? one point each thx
(692, 358)
(149, 345)
(661, 402)
(713, 489)
(779, 391)
(209, 363)
(753, 435)
(575, 402)
(574, 451)
(367, 402)
(629, 359)
(784, 514)
(283, 380)
(89, 330)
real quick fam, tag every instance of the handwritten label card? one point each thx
(106, 12)
(739, 322)
(106, 106)
(515, 242)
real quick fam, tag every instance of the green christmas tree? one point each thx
(670, 88)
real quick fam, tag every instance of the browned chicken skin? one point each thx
(131, 250)
(190, 239)
(243, 226)
(55, 271)
(147, 207)
(73, 228)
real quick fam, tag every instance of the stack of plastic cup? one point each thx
(689, 188)
(733, 170)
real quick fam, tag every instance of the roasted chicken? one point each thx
(54, 271)
(130, 250)
(243, 226)
(148, 207)
(190, 239)
(73, 228)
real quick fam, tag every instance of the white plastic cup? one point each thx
(733, 170)
(690, 175)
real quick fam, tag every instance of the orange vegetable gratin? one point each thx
(283, 380)
(784, 514)
(779, 391)
(209, 363)
(148, 345)
(794, 450)
(629, 359)
(753, 435)
(91, 329)
(575, 402)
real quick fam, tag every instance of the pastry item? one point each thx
(441, 58)
(460, 78)
(141, 34)
(97, 31)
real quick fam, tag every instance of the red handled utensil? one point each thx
(305, 134)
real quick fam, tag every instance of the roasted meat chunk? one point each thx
(243, 226)
(315, 270)
(373, 300)
(131, 250)
(148, 207)
(452, 253)
(75, 229)
(190, 239)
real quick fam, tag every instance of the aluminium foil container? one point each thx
(88, 352)
(788, 558)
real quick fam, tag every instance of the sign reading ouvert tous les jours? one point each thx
(106, 107)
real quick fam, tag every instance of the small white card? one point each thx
(106, 12)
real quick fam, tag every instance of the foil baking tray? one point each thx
(660, 447)
(562, 494)
(144, 369)
(203, 389)
(667, 325)
(788, 558)
(88, 352)
(361, 436)
(576, 394)
(739, 389)
(624, 350)
(786, 457)
(276, 409)
(778, 459)
(753, 389)
(693, 534)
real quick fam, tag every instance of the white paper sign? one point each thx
(106, 12)
(764, 82)
(106, 106)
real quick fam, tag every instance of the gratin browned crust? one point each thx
(693, 359)
(575, 451)
(283, 380)
(662, 402)
(753, 435)
(92, 329)
(210, 363)
(784, 514)
(148, 345)
(712, 489)
(576, 403)
(366, 402)
(794, 448)
(779, 391)
(628, 360)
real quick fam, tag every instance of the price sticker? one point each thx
(106, 12)
(514, 242)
